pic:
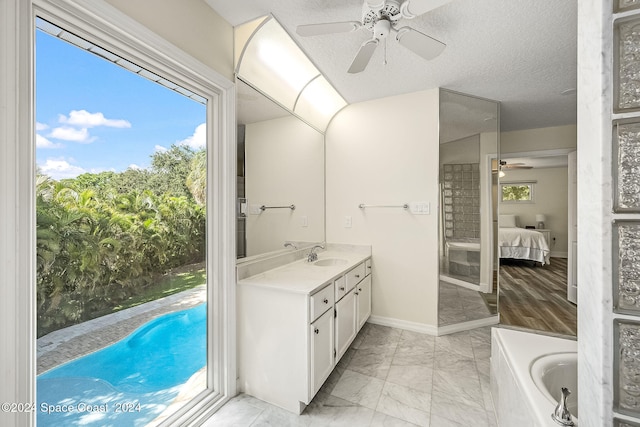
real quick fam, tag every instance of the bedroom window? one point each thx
(517, 192)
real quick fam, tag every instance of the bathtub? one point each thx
(464, 245)
(527, 372)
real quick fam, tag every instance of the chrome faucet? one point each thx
(312, 255)
(561, 414)
(289, 244)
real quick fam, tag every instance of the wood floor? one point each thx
(536, 297)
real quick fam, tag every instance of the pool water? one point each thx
(130, 382)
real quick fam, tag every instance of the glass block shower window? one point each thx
(627, 57)
(623, 5)
(626, 263)
(627, 367)
(461, 200)
(626, 168)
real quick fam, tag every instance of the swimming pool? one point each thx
(129, 382)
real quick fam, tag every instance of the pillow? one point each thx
(507, 221)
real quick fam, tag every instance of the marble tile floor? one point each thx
(390, 378)
(457, 304)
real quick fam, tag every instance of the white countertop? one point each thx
(304, 277)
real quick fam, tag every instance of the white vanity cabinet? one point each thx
(363, 296)
(294, 323)
(322, 350)
(346, 322)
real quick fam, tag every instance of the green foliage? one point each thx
(103, 238)
(516, 192)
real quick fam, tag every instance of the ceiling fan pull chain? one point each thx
(385, 52)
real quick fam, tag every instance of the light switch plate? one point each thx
(420, 208)
(255, 210)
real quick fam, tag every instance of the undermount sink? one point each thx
(330, 261)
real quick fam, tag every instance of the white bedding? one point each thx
(521, 243)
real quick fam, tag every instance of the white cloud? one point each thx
(60, 169)
(160, 148)
(85, 119)
(42, 142)
(135, 167)
(41, 126)
(70, 134)
(198, 139)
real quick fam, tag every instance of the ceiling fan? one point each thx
(505, 165)
(382, 18)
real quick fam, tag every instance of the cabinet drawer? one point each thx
(367, 267)
(340, 285)
(354, 276)
(321, 301)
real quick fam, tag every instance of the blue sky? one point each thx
(95, 116)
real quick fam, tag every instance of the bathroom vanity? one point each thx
(296, 321)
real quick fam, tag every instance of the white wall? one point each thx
(551, 138)
(284, 165)
(190, 25)
(550, 199)
(386, 152)
(466, 150)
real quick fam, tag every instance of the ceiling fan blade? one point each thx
(329, 28)
(412, 8)
(363, 56)
(420, 44)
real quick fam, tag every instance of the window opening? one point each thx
(121, 237)
(517, 192)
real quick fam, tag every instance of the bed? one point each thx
(520, 243)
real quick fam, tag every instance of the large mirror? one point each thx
(280, 178)
(537, 237)
(469, 129)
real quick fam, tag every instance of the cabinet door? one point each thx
(322, 350)
(363, 291)
(345, 323)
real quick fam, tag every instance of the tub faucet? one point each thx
(289, 244)
(561, 414)
(312, 255)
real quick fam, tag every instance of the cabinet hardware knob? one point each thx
(316, 330)
(357, 276)
(369, 267)
(342, 288)
(356, 293)
(360, 289)
(326, 301)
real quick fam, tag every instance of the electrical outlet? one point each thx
(304, 221)
(347, 222)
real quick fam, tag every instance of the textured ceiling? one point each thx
(521, 53)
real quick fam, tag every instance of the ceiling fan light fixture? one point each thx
(381, 29)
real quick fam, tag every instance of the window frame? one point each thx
(104, 25)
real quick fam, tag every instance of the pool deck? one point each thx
(72, 342)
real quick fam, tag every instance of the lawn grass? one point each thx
(170, 284)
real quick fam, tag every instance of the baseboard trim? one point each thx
(404, 324)
(430, 329)
(461, 283)
(465, 326)
(553, 254)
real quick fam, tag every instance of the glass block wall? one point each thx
(461, 200)
(626, 213)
